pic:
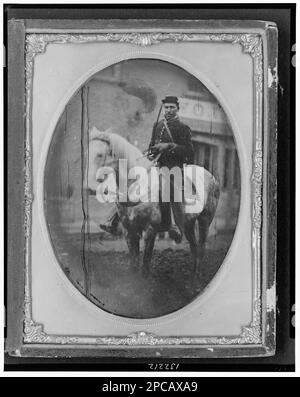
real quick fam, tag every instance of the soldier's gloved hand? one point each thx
(161, 147)
(151, 156)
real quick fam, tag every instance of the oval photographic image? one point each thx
(142, 188)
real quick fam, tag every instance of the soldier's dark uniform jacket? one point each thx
(182, 150)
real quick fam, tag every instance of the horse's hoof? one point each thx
(135, 266)
(198, 274)
(196, 282)
(145, 272)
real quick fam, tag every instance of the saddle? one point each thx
(192, 203)
(194, 197)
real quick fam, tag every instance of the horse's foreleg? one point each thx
(149, 239)
(133, 242)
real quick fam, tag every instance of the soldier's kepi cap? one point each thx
(171, 99)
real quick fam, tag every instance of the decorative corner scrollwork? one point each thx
(33, 333)
(36, 44)
(251, 334)
(251, 44)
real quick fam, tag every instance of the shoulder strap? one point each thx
(168, 130)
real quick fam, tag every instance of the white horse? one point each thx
(139, 219)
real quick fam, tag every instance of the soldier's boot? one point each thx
(111, 225)
(174, 231)
(168, 223)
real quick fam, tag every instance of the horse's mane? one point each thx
(120, 147)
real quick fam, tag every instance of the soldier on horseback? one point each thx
(170, 146)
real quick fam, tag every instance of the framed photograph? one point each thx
(101, 261)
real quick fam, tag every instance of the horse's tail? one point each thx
(212, 186)
(216, 190)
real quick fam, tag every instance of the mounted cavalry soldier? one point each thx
(170, 146)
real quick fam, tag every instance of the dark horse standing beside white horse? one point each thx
(143, 219)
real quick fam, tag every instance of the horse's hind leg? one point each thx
(189, 231)
(149, 239)
(203, 226)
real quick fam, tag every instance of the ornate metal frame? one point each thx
(253, 335)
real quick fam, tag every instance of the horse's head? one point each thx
(99, 154)
(105, 149)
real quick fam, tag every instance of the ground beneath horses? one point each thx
(119, 289)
